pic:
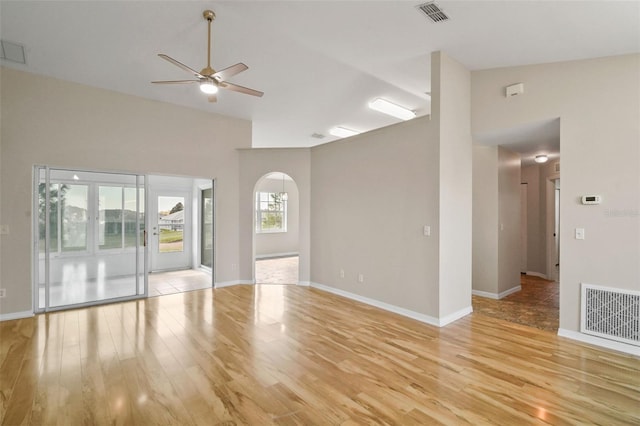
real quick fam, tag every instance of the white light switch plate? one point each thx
(579, 233)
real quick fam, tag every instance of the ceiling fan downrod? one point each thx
(209, 15)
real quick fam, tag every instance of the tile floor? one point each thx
(279, 270)
(161, 283)
(536, 305)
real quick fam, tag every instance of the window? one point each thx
(68, 216)
(117, 217)
(271, 212)
(90, 217)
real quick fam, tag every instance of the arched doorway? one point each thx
(276, 229)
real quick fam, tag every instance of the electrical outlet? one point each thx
(341, 273)
(360, 278)
(3, 293)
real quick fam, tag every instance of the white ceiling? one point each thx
(318, 62)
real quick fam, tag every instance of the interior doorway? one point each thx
(276, 229)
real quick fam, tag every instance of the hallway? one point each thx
(536, 305)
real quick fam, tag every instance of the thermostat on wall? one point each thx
(591, 199)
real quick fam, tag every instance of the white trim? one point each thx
(510, 291)
(455, 316)
(537, 274)
(231, 283)
(438, 322)
(304, 283)
(276, 255)
(597, 341)
(485, 294)
(496, 296)
(16, 315)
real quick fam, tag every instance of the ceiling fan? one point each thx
(209, 79)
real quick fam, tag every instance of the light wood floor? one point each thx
(270, 354)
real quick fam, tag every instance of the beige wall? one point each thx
(52, 122)
(509, 220)
(254, 165)
(540, 211)
(451, 109)
(371, 196)
(496, 221)
(485, 220)
(598, 104)
(279, 243)
(535, 231)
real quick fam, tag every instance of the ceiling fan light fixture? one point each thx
(389, 108)
(208, 87)
(542, 158)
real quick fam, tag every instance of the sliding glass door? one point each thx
(90, 237)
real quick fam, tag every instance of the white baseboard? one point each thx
(15, 315)
(276, 255)
(537, 274)
(230, 283)
(438, 322)
(496, 296)
(597, 341)
(304, 283)
(485, 294)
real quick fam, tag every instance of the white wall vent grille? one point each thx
(611, 313)
(433, 12)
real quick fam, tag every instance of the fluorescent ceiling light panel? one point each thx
(341, 132)
(389, 108)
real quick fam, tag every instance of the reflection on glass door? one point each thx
(206, 228)
(90, 237)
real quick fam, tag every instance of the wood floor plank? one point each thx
(289, 355)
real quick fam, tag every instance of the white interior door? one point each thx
(170, 239)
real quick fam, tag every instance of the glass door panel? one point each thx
(171, 230)
(206, 228)
(88, 242)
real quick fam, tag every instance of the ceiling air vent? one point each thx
(433, 12)
(12, 52)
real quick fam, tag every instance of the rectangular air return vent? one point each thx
(611, 313)
(13, 52)
(433, 12)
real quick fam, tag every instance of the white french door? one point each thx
(170, 237)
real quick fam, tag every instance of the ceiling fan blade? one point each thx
(230, 71)
(176, 81)
(240, 89)
(213, 98)
(180, 65)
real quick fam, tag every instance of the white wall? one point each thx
(254, 165)
(598, 105)
(52, 122)
(280, 243)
